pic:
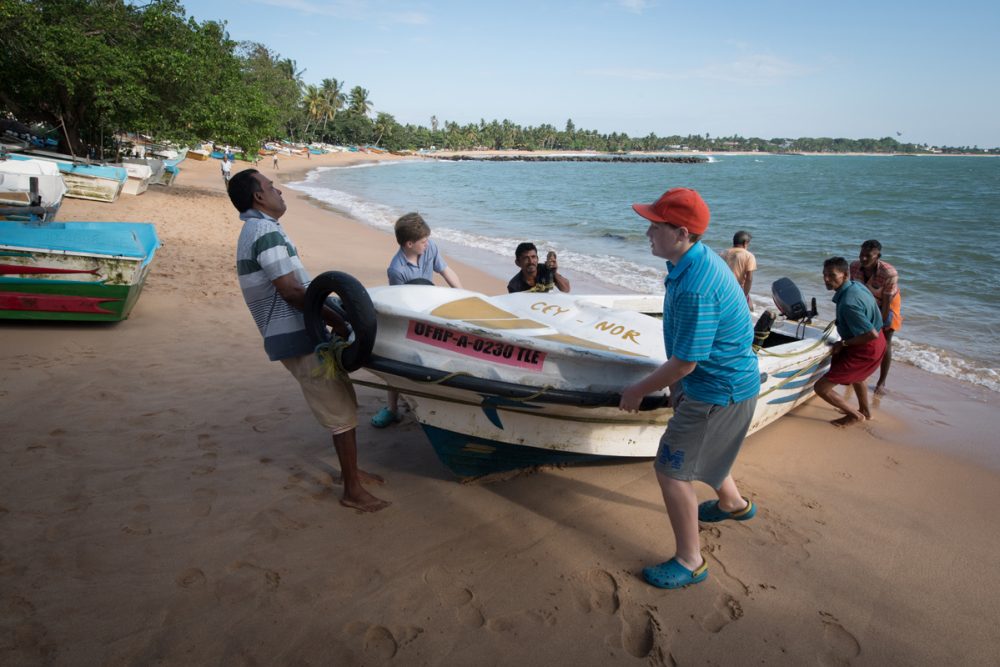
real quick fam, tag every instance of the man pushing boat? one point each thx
(713, 378)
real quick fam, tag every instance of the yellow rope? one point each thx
(330, 357)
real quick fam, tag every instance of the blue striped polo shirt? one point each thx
(706, 320)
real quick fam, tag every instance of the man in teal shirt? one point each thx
(859, 351)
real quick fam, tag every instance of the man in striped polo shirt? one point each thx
(274, 284)
(713, 378)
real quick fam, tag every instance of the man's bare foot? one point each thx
(364, 502)
(866, 413)
(880, 390)
(849, 420)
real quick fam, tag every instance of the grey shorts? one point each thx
(702, 440)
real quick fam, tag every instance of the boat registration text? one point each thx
(475, 346)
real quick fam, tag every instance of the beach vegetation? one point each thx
(91, 70)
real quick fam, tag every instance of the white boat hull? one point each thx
(583, 347)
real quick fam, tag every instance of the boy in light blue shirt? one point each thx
(418, 259)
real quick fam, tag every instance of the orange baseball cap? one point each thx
(680, 207)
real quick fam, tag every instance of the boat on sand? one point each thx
(91, 271)
(511, 381)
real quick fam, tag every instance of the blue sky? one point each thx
(753, 68)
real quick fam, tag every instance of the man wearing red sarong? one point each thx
(859, 351)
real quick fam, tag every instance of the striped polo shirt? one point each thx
(264, 253)
(706, 320)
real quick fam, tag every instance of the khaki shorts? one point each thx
(332, 402)
(702, 440)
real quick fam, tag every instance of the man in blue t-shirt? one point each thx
(713, 378)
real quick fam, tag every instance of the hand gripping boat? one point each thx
(506, 382)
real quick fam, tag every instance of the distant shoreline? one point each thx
(689, 153)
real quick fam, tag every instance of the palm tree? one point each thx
(359, 102)
(384, 124)
(333, 91)
(314, 103)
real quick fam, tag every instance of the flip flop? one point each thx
(384, 417)
(709, 512)
(672, 574)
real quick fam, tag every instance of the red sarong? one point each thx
(856, 362)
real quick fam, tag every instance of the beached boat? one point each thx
(83, 181)
(198, 154)
(505, 382)
(157, 169)
(139, 177)
(16, 191)
(90, 271)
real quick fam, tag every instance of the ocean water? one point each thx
(938, 219)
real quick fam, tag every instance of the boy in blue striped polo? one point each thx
(713, 378)
(274, 283)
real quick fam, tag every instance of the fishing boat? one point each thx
(199, 154)
(99, 182)
(139, 177)
(157, 169)
(506, 382)
(92, 271)
(17, 193)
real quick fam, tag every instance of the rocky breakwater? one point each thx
(688, 159)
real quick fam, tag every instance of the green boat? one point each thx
(88, 271)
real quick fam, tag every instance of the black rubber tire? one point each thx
(358, 310)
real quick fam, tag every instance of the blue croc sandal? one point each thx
(672, 574)
(384, 417)
(709, 512)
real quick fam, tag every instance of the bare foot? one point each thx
(849, 420)
(880, 390)
(364, 502)
(867, 414)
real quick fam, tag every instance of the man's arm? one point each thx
(292, 291)
(747, 282)
(669, 373)
(451, 278)
(552, 264)
(860, 339)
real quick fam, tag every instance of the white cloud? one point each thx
(411, 18)
(633, 74)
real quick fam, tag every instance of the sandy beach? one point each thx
(167, 498)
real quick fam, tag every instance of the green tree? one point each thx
(359, 102)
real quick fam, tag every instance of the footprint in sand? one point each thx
(206, 442)
(640, 629)
(841, 645)
(267, 422)
(203, 499)
(377, 640)
(191, 578)
(597, 590)
(455, 595)
(727, 609)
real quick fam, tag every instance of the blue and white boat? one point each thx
(84, 181)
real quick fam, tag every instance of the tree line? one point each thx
(86, 71)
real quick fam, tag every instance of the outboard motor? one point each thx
(788, 299)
